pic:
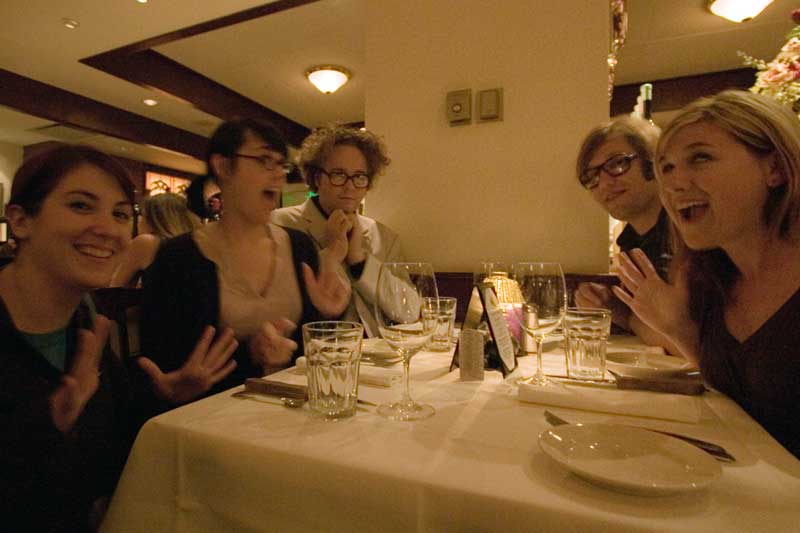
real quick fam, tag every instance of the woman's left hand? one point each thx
(329, 293)
(208, 364)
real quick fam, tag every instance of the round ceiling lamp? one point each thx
(328, 78)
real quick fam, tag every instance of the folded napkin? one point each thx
(367, 375)
(618, 402)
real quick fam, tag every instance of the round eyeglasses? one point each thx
(269, 162)
(614, 166)
(339, 177)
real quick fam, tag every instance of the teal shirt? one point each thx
(52, 345)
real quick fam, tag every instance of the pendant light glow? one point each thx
(328, 78)
(737, 10)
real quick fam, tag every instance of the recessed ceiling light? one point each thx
(150, 102)
(142, 1)
(70, 23)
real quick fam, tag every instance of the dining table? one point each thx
(246, 462)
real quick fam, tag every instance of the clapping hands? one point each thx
(329, 293)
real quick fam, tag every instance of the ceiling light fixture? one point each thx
(150, 102)
(737, 10)
(70, 23)
(142, 1)
(328, 78)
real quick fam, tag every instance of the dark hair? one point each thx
(229, 137)
(39, 175)
(194, 197)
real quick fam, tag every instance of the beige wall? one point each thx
(10, 160)
(501, 190)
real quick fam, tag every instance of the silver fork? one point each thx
(715, 450)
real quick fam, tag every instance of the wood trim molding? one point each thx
(674, 93)
(139, 64)
(51, 103)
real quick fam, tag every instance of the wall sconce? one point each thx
(737, 10)
(328, 78)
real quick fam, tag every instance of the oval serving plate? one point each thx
(628, 459)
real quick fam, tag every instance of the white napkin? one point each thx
(619, 402)
(367, 375)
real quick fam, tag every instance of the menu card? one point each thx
(484, 306)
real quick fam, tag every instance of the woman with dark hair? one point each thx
(69, 407)
(241, 272)
(164, 216)
(729, 172)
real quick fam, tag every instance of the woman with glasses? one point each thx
(615, 164)
(729, 172)
(341, 165)
(243, 272)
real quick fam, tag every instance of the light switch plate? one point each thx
(490, 105)
(459, 107)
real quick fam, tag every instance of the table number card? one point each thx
(484, 305)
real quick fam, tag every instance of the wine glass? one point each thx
(406, 321)
(544, 296)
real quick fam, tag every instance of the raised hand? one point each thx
(270, 348)
(81, 382)
(662, 306)
(208, 364)
(355, 248)
(329, 293)
(600, 296)
(336, 240)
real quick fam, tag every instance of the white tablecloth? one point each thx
(230, 464)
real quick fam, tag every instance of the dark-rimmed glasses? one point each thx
(268, 162)
(339, 177)
(614, 166)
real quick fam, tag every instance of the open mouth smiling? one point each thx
(94, 251)
(691, 211)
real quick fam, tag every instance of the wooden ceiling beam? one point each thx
(64, 107)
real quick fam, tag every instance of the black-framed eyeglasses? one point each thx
(339, 177)
(269, 162)
(614, 166)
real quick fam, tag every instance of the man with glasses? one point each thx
(341, 165)
(615, 164)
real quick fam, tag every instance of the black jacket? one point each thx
(181, 298)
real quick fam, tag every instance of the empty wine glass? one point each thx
(406, 323)
(544, 305)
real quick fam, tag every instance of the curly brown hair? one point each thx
(318, 146)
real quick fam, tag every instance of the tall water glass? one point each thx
(544, 295)
(406, 323)
(333, 354)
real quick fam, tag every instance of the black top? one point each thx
(181, 298)
(761, 374)
(655, 243)
(48, 479)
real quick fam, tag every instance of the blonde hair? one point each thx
(168, 215)
(318, 146)
(763, 126)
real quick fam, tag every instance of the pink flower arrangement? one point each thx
(780, 78)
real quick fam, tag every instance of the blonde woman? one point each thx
(163, 216)
(729, 172)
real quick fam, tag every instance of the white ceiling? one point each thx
(264, 59)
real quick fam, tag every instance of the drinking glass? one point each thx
(544, 296)
(406, 323)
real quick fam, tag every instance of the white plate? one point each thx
(377, 350)
(630, 459)
(648, 365)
